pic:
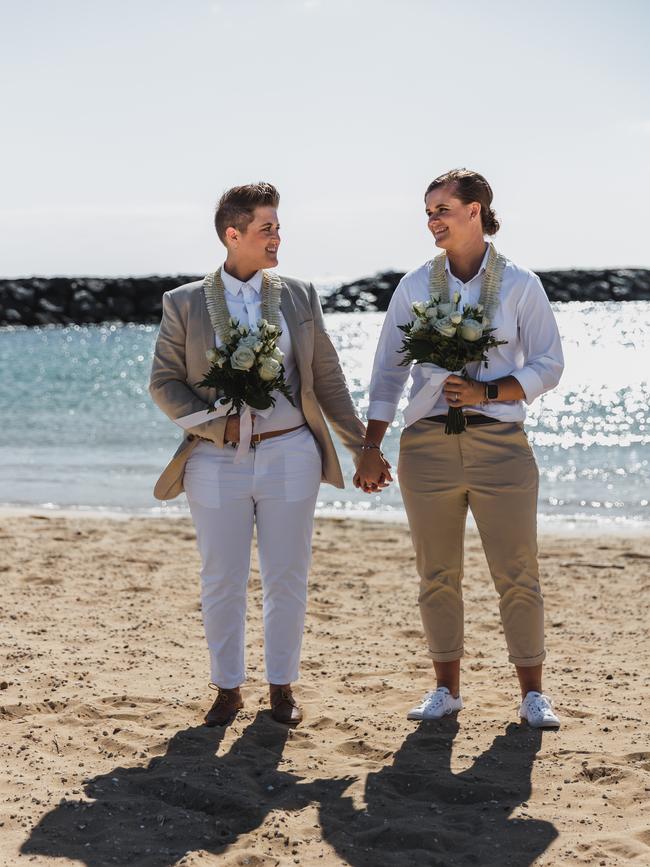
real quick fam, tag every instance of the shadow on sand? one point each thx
(418, 811)
(188, 799)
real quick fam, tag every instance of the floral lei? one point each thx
(490, 284)
(215, 299)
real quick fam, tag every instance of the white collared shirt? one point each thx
(533, 353)
(283, 415)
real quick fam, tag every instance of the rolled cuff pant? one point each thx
(275, 489)
(491, 470)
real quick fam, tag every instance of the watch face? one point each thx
(492, 391)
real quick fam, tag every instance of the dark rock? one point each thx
(23, 297)
(83, 306)
(42, 318)
(48, 307)
(122, 308)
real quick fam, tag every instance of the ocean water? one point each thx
(79, 430)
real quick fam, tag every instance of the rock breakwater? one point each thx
(68, 300)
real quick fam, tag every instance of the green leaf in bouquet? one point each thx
(259, 397)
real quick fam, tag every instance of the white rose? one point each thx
(456, 318)
(233, 322)
(456, 297)
(268, 368)
(277, 353)
(445, 309)
(262, 323)
(471, 330)
(249, 340)
(243, 330)
(480, 308)
(445, 327)
(432, 312)
(419, 308)
(435, 297)
(212, 355)
(420, 326)
(243, 358)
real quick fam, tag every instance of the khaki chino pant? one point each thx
(492, 470)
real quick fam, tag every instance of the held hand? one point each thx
(373, 472)
(231, 434)
(461, 392)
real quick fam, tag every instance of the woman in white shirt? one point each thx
(490, 467)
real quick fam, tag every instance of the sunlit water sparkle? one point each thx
(79, 428)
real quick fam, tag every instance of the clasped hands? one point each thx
(373, 471)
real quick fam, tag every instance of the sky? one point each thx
(125, 120)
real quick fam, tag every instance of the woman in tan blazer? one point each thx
(276, 484)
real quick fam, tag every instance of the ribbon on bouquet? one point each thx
(203, 415)
(427, 397)
(246, 430)
(220, 409)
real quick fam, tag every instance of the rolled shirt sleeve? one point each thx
(540, 342)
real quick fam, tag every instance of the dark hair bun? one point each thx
(489, 221)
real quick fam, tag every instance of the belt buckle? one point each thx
(256, 439)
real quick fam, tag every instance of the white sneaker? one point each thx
(537, 709)
(435, 705)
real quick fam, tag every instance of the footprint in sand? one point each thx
(601, 772)
(42, 580)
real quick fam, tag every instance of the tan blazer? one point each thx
(180, 362)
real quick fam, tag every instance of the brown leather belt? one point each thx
(475, 418)
(258, 437)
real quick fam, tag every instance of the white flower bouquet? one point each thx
(248, 367)
(440, 334)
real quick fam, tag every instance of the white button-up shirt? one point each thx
(244, 302)
(533, 353)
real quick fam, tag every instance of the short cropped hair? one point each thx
(235, 208)
(469, 187)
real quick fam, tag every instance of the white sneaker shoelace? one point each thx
(537, 709)
(435, 705)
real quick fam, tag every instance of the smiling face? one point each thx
(452, 222)
(256, 246)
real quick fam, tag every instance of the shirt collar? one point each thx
(234, 286)
(480, 270)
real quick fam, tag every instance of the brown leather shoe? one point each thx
(224, 708)
(284, 708)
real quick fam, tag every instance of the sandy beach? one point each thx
(104, 686)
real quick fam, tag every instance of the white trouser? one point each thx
(275, 487)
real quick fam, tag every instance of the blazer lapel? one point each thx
(206, 337)
(288, 308)
(207, 331)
